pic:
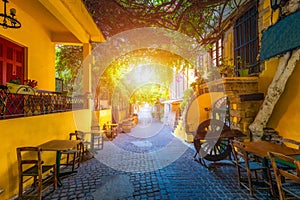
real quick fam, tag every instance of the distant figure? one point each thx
(104, 127)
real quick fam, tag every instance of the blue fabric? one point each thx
(281, 37)
(253, 165)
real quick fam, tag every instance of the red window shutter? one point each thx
(9, 72)
(1, 69)
(12, 57)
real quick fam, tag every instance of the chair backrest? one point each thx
(28, 156)
(81, 135)
(287, 160)
(74, 136)
(297, 164)
(238, 149)
(281, 173)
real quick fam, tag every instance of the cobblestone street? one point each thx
(149, 163)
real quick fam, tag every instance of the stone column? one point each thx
(87, 75)
(87, 82)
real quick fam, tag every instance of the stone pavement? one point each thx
(149, 163)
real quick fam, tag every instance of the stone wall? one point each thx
(244, 99)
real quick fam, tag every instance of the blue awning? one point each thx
(281, 37)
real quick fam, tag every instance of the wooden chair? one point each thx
(254, 171)
(85, 144)
(98, 136)
(288, 181)
(30, 165)
(75, 153)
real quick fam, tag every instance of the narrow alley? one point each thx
(150, 163)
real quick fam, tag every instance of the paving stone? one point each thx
(146, 168)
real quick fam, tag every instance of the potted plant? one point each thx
(244, 72)
(227, 68)
(31, 83)
(15, 86)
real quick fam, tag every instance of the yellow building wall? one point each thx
(200, 109)
(40, 50)
(33, 131)
(286, 114)
(266, 76)
(206, 101)
(104, 116)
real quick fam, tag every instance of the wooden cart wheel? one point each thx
(208, 142)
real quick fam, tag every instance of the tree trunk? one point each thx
(286, 66)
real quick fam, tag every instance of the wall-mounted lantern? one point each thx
(9, 21)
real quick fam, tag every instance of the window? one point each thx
(216, 53)
(246, 41)
(11, 61)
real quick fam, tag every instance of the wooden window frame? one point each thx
(216, 52)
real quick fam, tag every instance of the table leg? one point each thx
(92, 144)
(60, 174)
(58, 157)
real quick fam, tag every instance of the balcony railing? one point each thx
(38, 103)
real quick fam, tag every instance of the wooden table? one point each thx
(59, 146)
(261, 148)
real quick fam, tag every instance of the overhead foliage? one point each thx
(150, 93)
(68, 62)
(195, 18)
(127, 62)
(127, 71)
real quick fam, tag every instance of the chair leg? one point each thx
(39, 188)
(35, 181)
(82, 151)
(73, 162)
(55, 177)
(78, 161)
(239, 175)
(20, 187)
(250, 183)
(67, 159)
(270, 182)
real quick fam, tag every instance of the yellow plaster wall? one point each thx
(40, 49)
(198, 113)
(206, 101)
(104, 116)
(266, 76)
(32, 131)
(286, 115)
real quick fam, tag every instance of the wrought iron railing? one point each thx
(14, 105)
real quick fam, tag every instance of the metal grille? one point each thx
(41, 102)
(246, 41)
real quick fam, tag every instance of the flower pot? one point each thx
(20, 89)
(244, 72)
